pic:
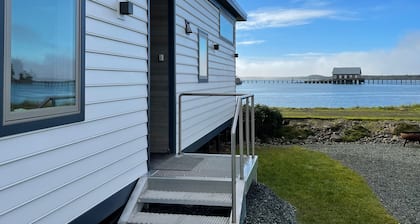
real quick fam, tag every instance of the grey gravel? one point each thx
(392, 171)
(263, 206)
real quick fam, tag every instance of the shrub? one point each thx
(404, 127)
(355, 133)
(268, 122)
(295, 132)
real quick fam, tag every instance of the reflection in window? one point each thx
(43, 60)
(202, 56)
(226, 28)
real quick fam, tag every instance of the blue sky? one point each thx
(303, 37)
(43, 38)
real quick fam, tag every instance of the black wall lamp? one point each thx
(126, 8)
(216, 46)
(188, 29)
(236, 55)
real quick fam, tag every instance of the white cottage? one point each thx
(90, 92)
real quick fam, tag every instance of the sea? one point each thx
(39, 91)
(299, 95)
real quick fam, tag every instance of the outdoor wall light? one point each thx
(236, 55)
(126, 8)
(188, 29)
(216, 46)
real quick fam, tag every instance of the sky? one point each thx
(304, 37)
(43, 39)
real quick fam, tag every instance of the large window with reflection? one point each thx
(226, 28)
(202, 56)
(42, 64)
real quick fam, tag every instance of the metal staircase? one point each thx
(212, 192)
(174, 193)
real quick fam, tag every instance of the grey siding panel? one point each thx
(54, 175)
(201, 115)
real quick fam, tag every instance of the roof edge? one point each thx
(234, 8)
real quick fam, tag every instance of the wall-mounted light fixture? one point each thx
(216, 46)
(188, 29)
(126, 8)
(236, 55)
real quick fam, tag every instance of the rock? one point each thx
(335, 138)
(395, 138)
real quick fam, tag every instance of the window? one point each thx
(42, 69)
(202, 56)
(226, 28)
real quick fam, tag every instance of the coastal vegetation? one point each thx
(406, 112)
(322, 190)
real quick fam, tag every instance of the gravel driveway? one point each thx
(392, 171)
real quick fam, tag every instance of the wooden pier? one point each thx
(370, 80)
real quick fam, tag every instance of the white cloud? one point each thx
(312, 3)
(403, 59)
(250, 42)
(282, 18)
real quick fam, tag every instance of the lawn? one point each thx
(411, 112)
(322, 190)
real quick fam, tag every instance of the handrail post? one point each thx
(241, 140)
(233, 169)
(179, 124)
(247, 126)
(252, 126)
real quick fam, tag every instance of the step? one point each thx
(186, 198)
(160, 218)
(190, 184)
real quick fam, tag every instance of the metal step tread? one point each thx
(186, 198)
(161, 218)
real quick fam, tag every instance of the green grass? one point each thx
(411, 112)
(322, 190)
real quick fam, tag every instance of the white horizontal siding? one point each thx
(54, 175)
(202, 115)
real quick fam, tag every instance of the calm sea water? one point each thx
(38, 91)
(332, 96)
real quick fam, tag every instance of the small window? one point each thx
(202, 56)
(42, 70)
(226, 28)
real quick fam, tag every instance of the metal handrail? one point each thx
(238, 117)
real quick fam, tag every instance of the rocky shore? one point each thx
(317, 131)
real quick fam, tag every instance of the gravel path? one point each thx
(392, 171)
(263, 207)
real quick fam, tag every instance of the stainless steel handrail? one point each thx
(238, 115)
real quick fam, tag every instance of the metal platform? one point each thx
(210, 166)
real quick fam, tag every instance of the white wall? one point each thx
(56, 174)
(201, 115)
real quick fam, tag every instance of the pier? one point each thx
(369, 80)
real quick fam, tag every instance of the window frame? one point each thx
(232, 22)
(39, 118)
(201, 34)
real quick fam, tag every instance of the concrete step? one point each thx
(186, 198)
(160, 218)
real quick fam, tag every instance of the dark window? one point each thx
(43, 64)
